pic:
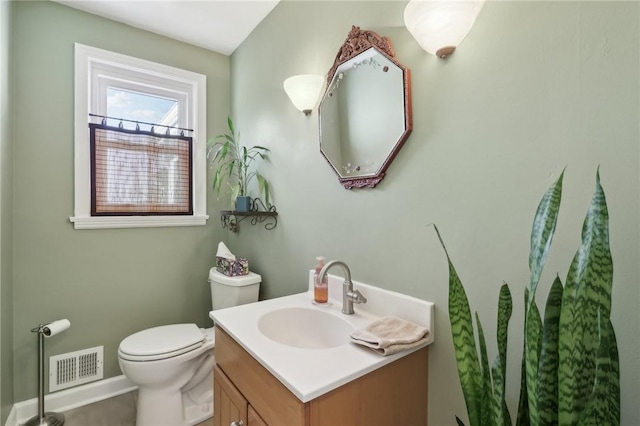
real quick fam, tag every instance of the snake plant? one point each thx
(570, 370)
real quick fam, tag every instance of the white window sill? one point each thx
(111, 222)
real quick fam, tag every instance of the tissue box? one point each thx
(232, 268)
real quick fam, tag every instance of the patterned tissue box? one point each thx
(232, 268)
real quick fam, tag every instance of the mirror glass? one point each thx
(365, 113)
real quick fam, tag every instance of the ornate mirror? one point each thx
(365, 113)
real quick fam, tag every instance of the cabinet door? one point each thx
(229, 406)
(254, 418)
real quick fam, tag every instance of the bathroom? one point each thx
(534, 88)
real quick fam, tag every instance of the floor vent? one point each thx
(75, 368)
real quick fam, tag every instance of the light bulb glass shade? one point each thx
(440, 24)
(304, 90)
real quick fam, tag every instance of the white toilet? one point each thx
(172, 365)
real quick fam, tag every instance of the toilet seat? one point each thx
(161, 342)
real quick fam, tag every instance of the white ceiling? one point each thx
(218, 25)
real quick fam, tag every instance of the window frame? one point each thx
(93, 69)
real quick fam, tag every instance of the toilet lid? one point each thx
(167, 339)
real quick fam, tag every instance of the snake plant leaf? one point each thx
(542, 230)
(464, 343)
(486, 415)
(499, 404)
(496, 395)
(603, 407)
(587, 292)
(533, 337)
(522, 417)
(465, 347)
(613, 394)
(548, 364)
(533, 340)
(544, 225)
(505, 309)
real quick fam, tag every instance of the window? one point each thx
(128, 172)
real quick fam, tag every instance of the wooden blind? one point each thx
(139, 173)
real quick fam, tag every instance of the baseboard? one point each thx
(69, 399)
(13, 417)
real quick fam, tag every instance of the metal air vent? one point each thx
(75, 368)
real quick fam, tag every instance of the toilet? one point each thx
(172, 365)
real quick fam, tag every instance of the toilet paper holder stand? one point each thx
(42, 418)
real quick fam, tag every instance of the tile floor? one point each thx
(117, 411)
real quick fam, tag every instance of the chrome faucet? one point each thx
(349, 295)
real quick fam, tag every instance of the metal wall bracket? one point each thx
(259, 214)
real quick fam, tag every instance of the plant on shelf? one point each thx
(234, 163)
(570, 369)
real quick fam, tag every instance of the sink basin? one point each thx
(305, 328)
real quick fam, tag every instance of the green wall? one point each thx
(535, 87)
(108, 283)
(6, 232)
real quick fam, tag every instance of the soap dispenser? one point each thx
(320, 289)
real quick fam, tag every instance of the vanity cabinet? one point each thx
(245, 391)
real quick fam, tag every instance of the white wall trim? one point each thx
(69, 399)
(105, 222)
(12, 420)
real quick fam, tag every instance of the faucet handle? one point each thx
(356, 297)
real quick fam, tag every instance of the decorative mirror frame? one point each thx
(357, 42)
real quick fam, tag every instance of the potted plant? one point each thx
(234, 165)
(570, 367)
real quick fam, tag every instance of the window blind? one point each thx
(139, 173)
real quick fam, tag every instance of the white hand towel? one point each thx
(223, 251)
(389, 335)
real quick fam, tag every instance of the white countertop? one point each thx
(309, 373)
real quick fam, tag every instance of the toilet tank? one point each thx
(232, 291)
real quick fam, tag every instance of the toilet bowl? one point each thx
(172, 365)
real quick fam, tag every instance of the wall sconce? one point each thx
(303, 90)
(440, 25)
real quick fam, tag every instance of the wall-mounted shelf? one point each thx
(258, 214)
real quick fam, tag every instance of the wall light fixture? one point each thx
(440, 25)
(304, 90)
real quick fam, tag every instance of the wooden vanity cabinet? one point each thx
(395, 394)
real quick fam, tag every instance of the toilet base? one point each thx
(198, 402)
(158, 408)
(193, 407)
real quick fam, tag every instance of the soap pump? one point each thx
(320, 288)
